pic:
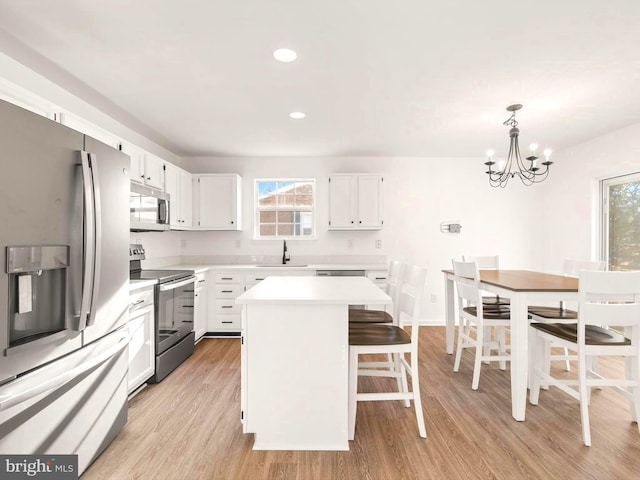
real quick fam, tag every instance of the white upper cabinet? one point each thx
(217, 202)
(146, 169)
(177, 183)
(153, 171)
(355, 202)
(137, 162)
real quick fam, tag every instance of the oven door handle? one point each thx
(177, 284)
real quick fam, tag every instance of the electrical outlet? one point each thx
(238, 243)
(183, 243)
(349, 243)
(434, 298)
(378, 243)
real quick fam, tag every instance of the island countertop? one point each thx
(315, 290)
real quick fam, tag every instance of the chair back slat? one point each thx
(412, 288)
(609, 298)
(467, 280)
(486, 262)
(571, 268)
(392, 288)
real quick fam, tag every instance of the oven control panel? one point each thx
(136, 252)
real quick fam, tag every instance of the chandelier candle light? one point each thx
(528, 173)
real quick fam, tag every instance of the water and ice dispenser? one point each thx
(37, 291)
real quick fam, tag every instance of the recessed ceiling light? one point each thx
(285, 55)
(297, 115)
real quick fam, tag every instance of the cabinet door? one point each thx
(342, 201)
(137, 162)
(141, 348)
(154, 173)
(137, 166)
(218, 202)
(369, 201)
(172, 187)
(200, 304)
(186, 199)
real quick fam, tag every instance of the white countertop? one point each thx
(315, 290)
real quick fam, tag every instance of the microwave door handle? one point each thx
(163, 212)
(89, 242)
(97, 252)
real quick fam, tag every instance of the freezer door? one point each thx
(109, 298)
(75, 405)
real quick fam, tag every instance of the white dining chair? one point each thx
(545, 314)
(475, 320)
(395, 340)
(488, 262)
(606, 301)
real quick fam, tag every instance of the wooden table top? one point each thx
(527, 281)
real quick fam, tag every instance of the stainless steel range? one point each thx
(174, 301)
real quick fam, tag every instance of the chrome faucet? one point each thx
(285, 254)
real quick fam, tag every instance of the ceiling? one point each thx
(374, 77)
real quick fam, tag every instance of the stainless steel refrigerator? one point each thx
(64, 232)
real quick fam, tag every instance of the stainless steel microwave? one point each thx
(148, 209)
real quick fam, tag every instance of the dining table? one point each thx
(524, 288)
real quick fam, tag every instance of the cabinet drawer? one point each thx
(379, 278)
(253, 278)
(228, 322)
(228, 278)
(227, 306)
(139, 299)
(228, 291)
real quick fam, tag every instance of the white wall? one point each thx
(419, 194)
(569, 198)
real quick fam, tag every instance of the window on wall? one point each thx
(620, 198)
(285, 208)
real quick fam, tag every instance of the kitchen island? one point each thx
(295, 355)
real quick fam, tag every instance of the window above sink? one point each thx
(284, 208)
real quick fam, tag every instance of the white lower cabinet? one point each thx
(141, 338)
(226, 314)
(225, 317)
(200, 312)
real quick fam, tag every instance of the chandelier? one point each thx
(529, 173)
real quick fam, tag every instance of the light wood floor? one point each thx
(188, 427)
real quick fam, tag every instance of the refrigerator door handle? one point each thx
(8, 401)
(89, 240)
(97, 253)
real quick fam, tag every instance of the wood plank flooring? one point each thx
(188, 427)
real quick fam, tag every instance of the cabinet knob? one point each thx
(360, 221)
(148, 178)
(231, 222)
(141, 176)
(351, 221)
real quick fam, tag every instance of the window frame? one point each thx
(257, 209)
(605, 183)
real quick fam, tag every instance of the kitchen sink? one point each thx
(287, 265)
